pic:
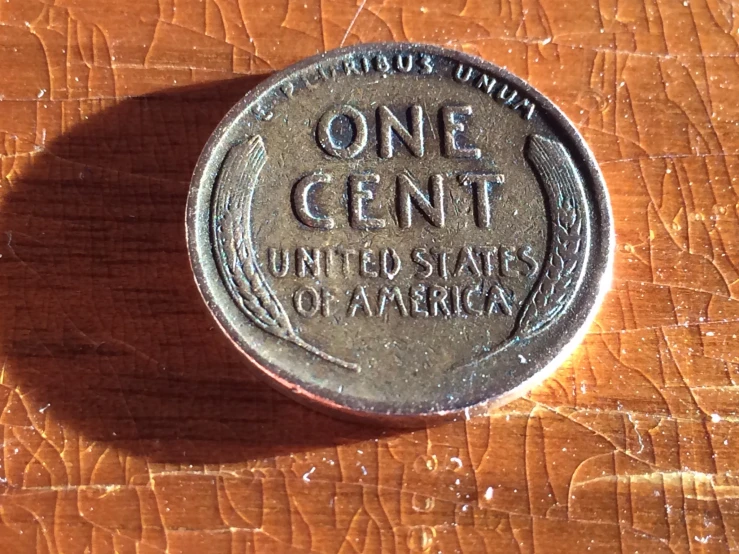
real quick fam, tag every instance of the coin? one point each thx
(400, 232)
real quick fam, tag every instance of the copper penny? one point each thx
(400, 232)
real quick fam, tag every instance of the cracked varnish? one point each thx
(129, 423)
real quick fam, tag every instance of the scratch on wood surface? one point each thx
(352, 22)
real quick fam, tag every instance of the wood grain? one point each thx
(130, 425)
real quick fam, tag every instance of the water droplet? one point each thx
(421, 503)
(426, 463)
(421, 538)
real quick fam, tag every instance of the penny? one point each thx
(400, 232)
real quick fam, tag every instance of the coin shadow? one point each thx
(104, 330)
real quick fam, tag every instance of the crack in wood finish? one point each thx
(129, 423)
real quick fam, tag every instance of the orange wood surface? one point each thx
(129, 424)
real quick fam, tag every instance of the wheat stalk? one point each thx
(565, 263)
(234, 250)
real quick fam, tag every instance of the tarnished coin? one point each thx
(400, 232)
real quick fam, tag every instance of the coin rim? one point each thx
(602, 261)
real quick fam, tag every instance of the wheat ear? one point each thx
(235, 254)
(565, 264)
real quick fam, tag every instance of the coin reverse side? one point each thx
(400, 232)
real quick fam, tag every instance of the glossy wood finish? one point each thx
(130, 424)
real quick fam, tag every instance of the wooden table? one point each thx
(129, 423)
